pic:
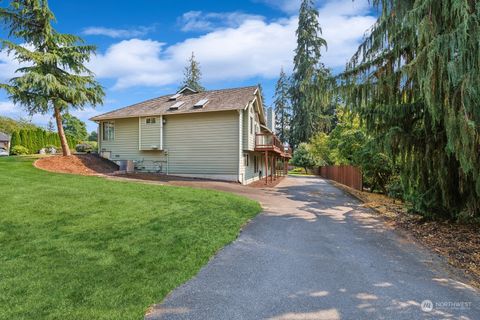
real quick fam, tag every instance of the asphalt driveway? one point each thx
(316, 253)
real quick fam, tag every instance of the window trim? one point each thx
(112, 122)
(148, 120)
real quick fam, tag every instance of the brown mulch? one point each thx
(261, 183)
(85, 164)
(458, 243)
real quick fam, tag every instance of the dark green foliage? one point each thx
(349, 144)
(415, 81)
(282, 107)
(311, 82)
(93, 136)
(35, 139)
(74, 127)
(377, 167)
(193, 75)
(302, 157)
(15, 139)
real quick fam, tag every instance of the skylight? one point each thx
(201, 103)
(175, 96)
(176, 105)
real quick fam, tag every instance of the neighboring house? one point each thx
(4, 141)
(219, 134)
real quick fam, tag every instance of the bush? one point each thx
(19, 150)
(302, 157)
(87, 146)
(296, 170)
(395, 188)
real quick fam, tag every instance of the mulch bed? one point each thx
(261, 183)
(85, 164)
(458, 243)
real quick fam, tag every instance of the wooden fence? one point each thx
(348, 175)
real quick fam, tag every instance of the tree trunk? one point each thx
(61, 133)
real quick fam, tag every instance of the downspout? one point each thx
(161, 132)
(240, 146)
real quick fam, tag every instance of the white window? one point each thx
(251, 125)
(108, 131)
(246, 159)
(151, 120)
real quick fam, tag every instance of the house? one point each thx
(4, 141)
(219, 134)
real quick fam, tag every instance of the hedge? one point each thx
(36, 139)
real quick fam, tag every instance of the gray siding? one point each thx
(150, 134)
(248, 138)
(125, 145)
(203, 143)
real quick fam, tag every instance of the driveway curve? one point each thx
(317, 253)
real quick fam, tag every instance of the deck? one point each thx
(270, 142)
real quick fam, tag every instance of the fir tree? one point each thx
(282, 107)
(15, 140)
(310, 79)
(193, 75)
(415, 82)
(55, 77)
(50, 127)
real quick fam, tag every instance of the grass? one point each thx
(75, 247)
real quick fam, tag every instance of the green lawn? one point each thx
(76, 247)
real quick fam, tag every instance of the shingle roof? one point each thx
(218, 100)
(4, 137)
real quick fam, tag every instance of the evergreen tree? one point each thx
(310, 79)
(15, 140)
(282, 107)
(415, 82)
(55, 78)
(93, 136)
(50, 127)
(192, 75)
(74, 127)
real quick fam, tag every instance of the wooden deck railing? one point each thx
(270, 142)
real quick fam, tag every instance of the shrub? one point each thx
(395, 188)
(302, 157)
(297, 170)
(87, 146)
(19, 150)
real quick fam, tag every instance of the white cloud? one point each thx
(288, 6)
(8, 65)
(7, 107)
(254, 48)
(199, 21)
(118, 33)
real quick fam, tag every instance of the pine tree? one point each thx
(14, 141)
(55, 77)
(282, 107)
(50, 127)
(415, 82)
(310, 79)
(193, 75)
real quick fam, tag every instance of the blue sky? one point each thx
(143, 45)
